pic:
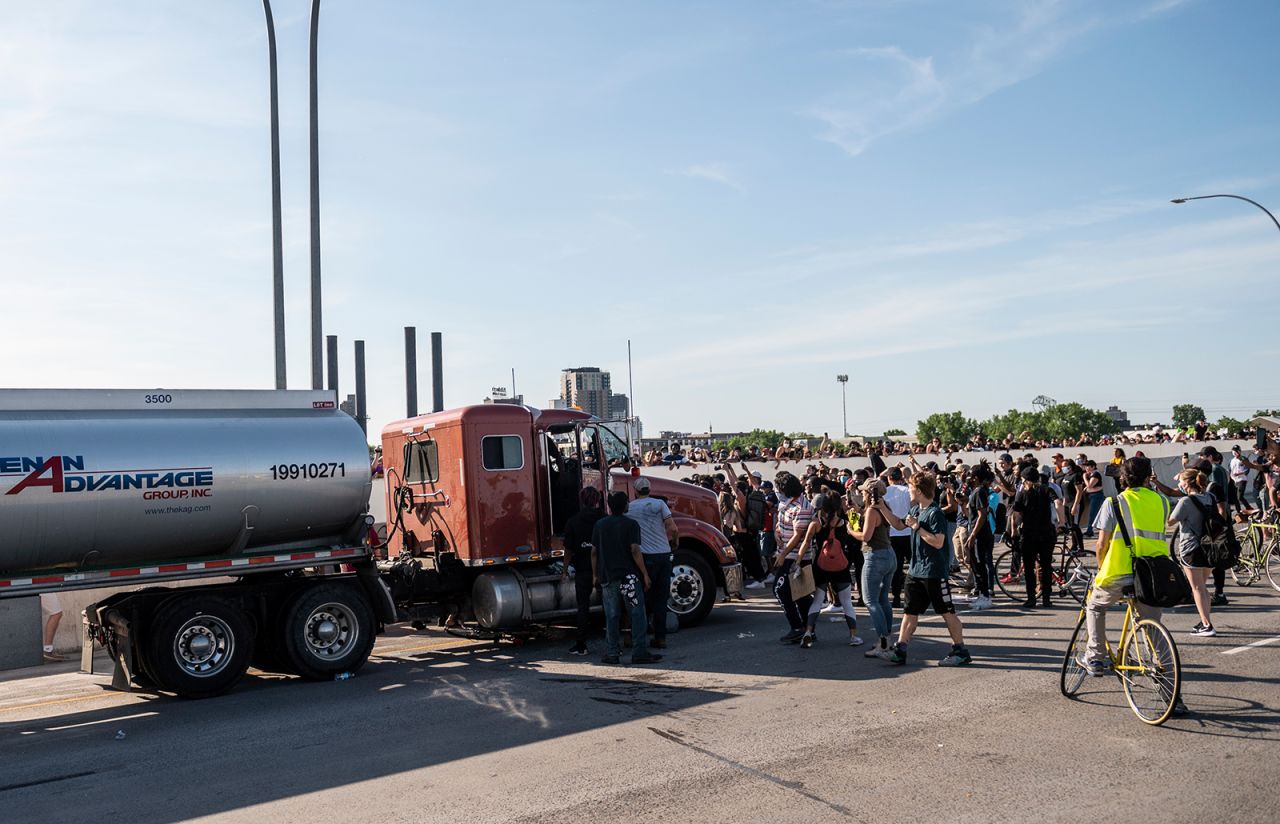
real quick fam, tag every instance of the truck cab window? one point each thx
(421, 463)
(500, 452)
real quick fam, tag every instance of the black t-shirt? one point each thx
(1068, 480)
(613, 537)
(577, 535)
(1035, 505)
(979, 500)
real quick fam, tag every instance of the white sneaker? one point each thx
(855, 641)
(769, 580)
(981, 602)
(754, 585)
(830, 609)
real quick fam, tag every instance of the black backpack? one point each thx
(756, 508)
(1218, 540)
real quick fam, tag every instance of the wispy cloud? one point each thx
(713, 173)
(888, 90)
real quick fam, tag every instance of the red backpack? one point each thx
(831, 557)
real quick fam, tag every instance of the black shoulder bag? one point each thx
(1157, 580)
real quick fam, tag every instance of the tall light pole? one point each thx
(317, 333)
(277, 230)
(1236, 197)
(844, 401)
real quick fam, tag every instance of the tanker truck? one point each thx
(257, 501)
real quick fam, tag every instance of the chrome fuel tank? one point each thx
(117, 477)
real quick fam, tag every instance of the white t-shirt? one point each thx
(898, 498)
(650, 513)
(1239, 472)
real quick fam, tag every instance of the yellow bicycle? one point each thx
(1147, 663)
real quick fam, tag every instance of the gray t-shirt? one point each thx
(650, 513)
(1190, 521)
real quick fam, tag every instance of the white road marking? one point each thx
(1248, 647)
(102, 721)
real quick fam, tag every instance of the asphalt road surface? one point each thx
(731, 727)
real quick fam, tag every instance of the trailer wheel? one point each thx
(198, 646)
(693, 588)
(327, 629)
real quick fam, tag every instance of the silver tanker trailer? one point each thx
(119, 487)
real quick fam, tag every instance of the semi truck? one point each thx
(257, 502)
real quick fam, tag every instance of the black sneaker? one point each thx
(897, 654)
(1204, 630)
(1219, 600)
(959, 657)
(578, 649)
(1030, 603)
(807, 640)
(610, 659)
(792, 636)
(646, 659)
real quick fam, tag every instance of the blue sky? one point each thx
(962, 205)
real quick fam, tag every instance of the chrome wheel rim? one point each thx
(330, 631)
(686, 589)
(203, 646)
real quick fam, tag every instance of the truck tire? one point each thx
(693, 588)
(198, 646)
(327, 629)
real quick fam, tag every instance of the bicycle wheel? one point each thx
(1076, 579)
(1073, 670)
(1150, 672)
(1243, 572)
(1272, 564)
(1008, 575)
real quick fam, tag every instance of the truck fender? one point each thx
(379, 595)
(722, 552)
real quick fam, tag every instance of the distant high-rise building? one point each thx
(587, 388)
(1119, 416)
(619, 407)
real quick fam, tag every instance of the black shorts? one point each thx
(923, 593)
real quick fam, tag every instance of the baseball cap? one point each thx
(756, 474)
(1030, 474)
(642, 483)
(1005, 456)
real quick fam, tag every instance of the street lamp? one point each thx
(1236, 197)
(277, 232)
(844, 401)
(317, 334)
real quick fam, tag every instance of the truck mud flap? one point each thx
(379, 595)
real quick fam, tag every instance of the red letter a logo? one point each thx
(53, 465)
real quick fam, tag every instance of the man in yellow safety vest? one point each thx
(1145, 513)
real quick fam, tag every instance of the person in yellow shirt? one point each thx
(1145, 513)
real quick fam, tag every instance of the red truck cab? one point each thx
(478, 497)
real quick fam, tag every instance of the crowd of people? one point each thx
(801, 449)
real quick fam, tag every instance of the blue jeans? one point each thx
(877, 579)
(658, 565)
(614, 606)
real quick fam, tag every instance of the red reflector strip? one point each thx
(262, 559)
(302, 556)
(48, 579)
(217, 564)
(174, 568)
(123, 573)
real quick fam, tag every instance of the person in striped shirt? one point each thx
(794, 516)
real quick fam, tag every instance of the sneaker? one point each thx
(646, 659)
(980, 602)
(578, 649)
(807, 640)
(856, 641)
(959, 657)
(830, 609)
(754, 585)
(53, 657)
(1096, 668)
(610, 659)
(1030, 603)
(1219, 600)
(792, 636)
(1204, 630)
(768, 581)
(896, 654)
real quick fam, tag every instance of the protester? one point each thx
(619, 569)
(1094, 493)
(823, 539)
(1033, 509)
(794, 516)
(578, 531)
(980, 536)
(898, 499)
(926, 583)
(1190, 516)
(880, 564)
(658, 537)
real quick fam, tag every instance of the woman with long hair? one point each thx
(824, 539)
(879, 566)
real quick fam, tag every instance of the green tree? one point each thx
(769, 438)
(1233, 426)
(800, 436)
(1068, 420)
(1014, 422)
(893, 432)
(1267, 413)
(949, 427)
(1186, 414)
